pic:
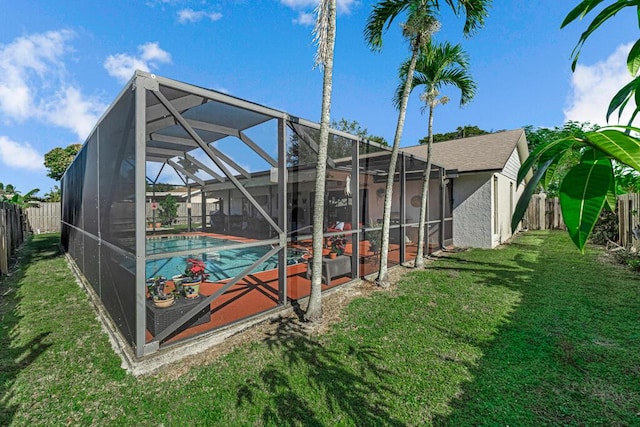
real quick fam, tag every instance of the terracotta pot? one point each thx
(333, 255)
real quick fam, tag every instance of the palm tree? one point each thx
(437, 66)
(325, 36)
(418, 28)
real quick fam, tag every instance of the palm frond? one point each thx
(324, 12)
(475, 12)
(437, 66)
(379, 20)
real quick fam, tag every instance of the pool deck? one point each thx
(258, 292)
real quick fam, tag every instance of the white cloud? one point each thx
(190, 15)
(26, 64)
(593, 87)
(122, 66)
(32, 73)
(70, 103)
(20, 156)
(305, 18)
(344, 6)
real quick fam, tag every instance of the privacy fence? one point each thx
(46, 217)
(544, 214)
(12, 233)
(628, 209)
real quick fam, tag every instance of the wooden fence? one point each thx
(45, 218)
(544, 214)
(12, 233)
(628, 218)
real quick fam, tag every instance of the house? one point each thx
(486, 192)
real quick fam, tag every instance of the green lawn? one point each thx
(530, 334)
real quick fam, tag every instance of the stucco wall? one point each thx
(472, 220)
(506, 202)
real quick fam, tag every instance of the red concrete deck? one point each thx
(258, 292)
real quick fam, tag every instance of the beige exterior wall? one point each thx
(483, 204)
(472, 208)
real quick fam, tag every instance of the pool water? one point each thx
(219, 265)
(183, 243)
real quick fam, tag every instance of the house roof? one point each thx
(476, 153)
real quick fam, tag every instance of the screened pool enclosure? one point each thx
(247, 173)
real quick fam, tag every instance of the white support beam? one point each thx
(213, 156)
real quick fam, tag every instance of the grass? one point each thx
(530, 334)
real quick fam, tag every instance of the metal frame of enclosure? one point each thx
(258, 165)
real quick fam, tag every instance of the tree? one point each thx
(54, 195)
(460, 132)
(58, 160)
(589, 185)
(418, 28)
(325, 36)
(438, 65)
(160, 187)
(168, 209)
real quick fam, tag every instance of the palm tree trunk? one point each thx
(424, 206)
(383, 279)
(314, 308)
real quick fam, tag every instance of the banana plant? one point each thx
(23, 201)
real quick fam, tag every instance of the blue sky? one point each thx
(63, 62)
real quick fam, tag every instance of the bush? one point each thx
(168, 210)
(606, 228)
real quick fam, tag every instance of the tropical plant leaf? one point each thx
(525, 198)
(550, 174)
(633, 60)
(612, 199)
(633, 115)
(605, 14)
(583, 194)
(545, 152)
(580, 11)
(617, 144)
(622, 97)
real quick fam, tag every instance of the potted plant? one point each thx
(194, 274)
(337, 246)
(375, 240)
(156, 287)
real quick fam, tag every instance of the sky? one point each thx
(63, 62)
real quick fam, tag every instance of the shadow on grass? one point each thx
(14, 358)
(356, 393)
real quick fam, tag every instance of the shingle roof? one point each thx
(472, 154)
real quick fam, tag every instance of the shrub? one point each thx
(168, 210)
(606, 228)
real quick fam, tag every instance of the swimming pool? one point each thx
(219, 264)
